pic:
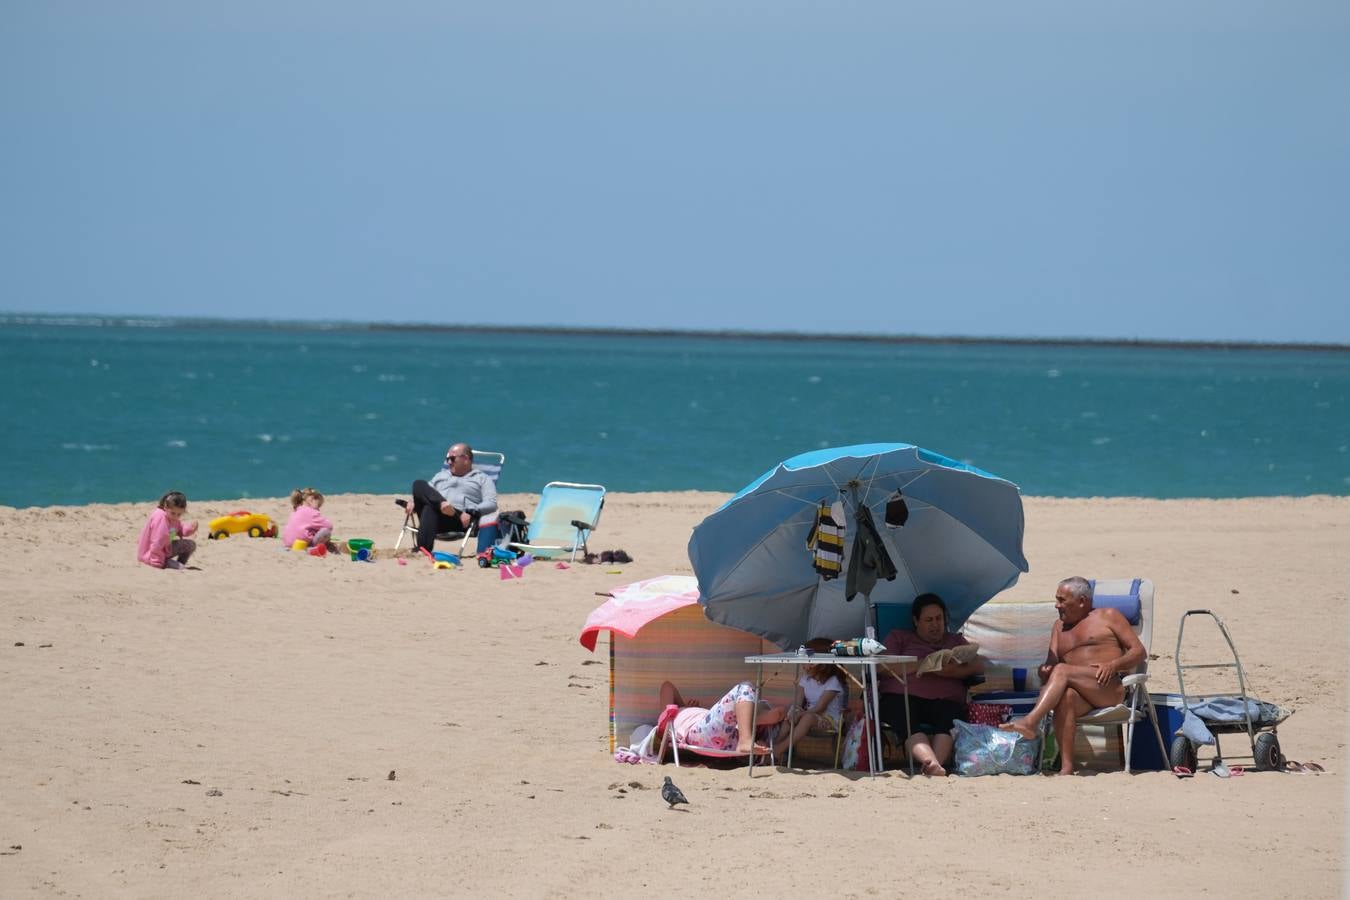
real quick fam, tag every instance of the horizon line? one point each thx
(152, 321)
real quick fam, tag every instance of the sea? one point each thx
(124, 409)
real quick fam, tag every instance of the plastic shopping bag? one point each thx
(986, 750)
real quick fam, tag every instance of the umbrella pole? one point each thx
(869, 673)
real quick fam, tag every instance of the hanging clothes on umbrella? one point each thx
(961, 538)
(869, 560)
(826, 540)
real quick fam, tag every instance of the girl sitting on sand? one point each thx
(820, 696)
(164, 543)
(306, 522)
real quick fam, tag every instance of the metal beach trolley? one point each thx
(1227, 713)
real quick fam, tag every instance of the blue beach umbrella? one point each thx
(940, 525)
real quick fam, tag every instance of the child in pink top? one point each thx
(164, 543)
(306, 522)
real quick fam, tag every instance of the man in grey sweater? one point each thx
(454, 497)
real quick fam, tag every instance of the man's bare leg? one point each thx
(1066, 723)
(1082, 679)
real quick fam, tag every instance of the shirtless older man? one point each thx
(1089, 649)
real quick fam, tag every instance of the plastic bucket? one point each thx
(356, 545)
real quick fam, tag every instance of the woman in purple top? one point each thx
(936, 699)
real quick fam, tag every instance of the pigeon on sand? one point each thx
(671, 794)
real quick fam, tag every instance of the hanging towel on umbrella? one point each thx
(869, 560)
(826, 540)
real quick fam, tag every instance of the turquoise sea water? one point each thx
(122, 412)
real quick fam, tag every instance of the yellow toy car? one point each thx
(242, 522)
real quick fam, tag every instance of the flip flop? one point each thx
(1182, 772)
(1236, 771)
(1298, 768)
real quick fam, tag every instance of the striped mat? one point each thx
(701, 658)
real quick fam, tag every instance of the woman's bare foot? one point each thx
(933, 769)
(1021, 727)
(747, 748)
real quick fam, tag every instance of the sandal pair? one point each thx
(1299, 768)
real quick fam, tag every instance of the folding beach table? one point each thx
(867, 666)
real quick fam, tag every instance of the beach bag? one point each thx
(986, 750)
(512, 528)
(854, 755)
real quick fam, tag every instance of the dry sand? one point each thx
(275, 725)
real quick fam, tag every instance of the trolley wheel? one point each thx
(219, 535)
(255, 531)
(1266, 750)
(1182, 753)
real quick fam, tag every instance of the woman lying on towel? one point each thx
(725, 727)
(937, 695)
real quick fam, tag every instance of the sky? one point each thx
(1144, 170)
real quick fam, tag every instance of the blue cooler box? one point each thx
(1144, 754)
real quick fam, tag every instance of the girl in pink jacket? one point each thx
(306, 522)
(164, 543)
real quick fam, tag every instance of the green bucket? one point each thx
(357, 545)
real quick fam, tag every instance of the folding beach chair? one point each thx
(490, 463)
(666, 725)
(826, 731)
(1133, 598)
(566, 515)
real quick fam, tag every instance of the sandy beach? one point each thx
(270, 724)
